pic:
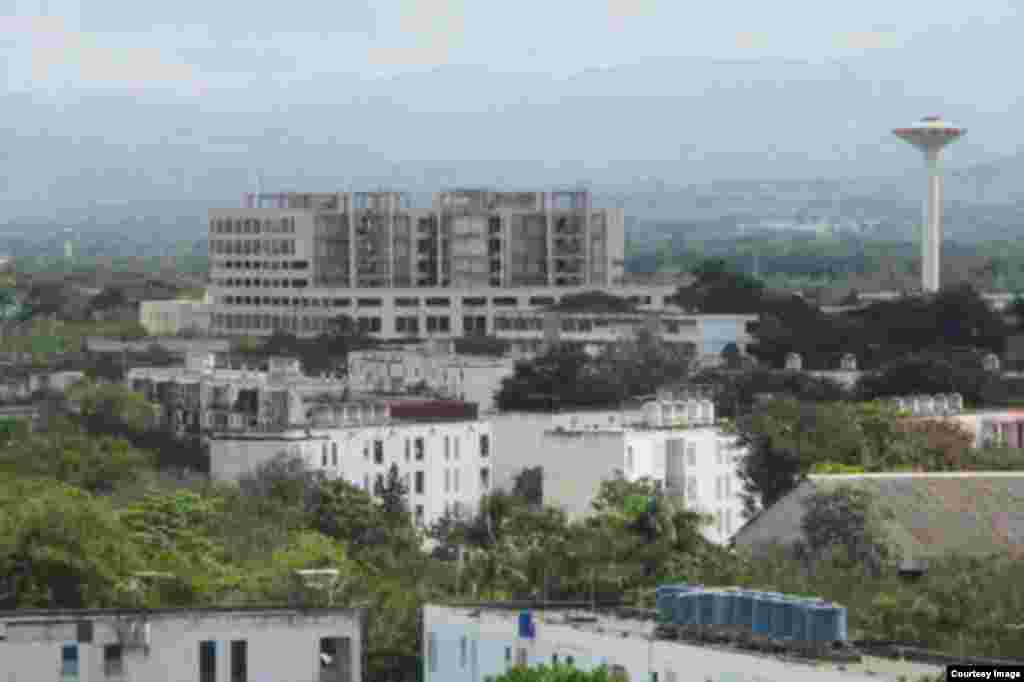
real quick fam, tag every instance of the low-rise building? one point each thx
(677, 444)
(471, 643)
(933, 515)
(443, 452)
(173, 317)
(19, 384)
(199, 396)
(171, 645)
(474, 379)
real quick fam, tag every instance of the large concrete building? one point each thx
(172, 645)
(470, 644)
(444, 454)
(294, 261)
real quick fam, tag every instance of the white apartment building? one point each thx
(295, 261)
(674, 443)
(474, 379)
(444, 454)
(200, 396)
(472, 643)
(172, 645)
(167, 318)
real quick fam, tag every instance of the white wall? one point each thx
(356, 459)
(283, 645)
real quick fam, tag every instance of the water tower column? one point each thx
(932, 244)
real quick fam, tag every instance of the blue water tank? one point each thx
(705, 608)
(829, 623)
(743, 609)
(782, 618)
(526, 625)
(729, 601)
(762, 614)
(801, 615)
(686, 608)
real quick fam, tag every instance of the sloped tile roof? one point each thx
(935, 516)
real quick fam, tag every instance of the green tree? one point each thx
(556, 673)
(393, 494)
(65, 453)
(845, 518)
(932, 373)
(60, 547)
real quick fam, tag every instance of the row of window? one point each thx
(252, 247)
(304, 323)
(433, 302)
(252, 226)
(263, 265)
(411, 324)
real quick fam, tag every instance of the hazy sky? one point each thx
(592, 83)
(193, 46)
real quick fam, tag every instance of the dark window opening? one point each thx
(208, 661)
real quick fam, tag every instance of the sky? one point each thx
(208, 85)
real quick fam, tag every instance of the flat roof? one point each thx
(608, 623)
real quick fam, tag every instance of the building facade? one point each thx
(443, 453)
(167, 318)
(293, 262)
(674, 443)
(165, 645)
(474, 379)
(200, 397)
(463, 644)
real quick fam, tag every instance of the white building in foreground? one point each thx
(174, 645)
(464, 644)
(443, 452)
(675, 443)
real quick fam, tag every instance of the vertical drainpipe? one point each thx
(549, 261)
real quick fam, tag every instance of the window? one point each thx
(505, 301)
(334, 454)
(447, 480)
(239, 661)
(113, 660)
(654, 676)
(368, 302)
(335, 659)
(485, 445)
(728, 521)
(438, 302)
(419, 513)
(432, 652)
(447, 447)
(378, 452)
(401, 302)
(691, 454)
(542, 300)
(718, 487)
(485, 478)
(728, 486)
(474, 302)
(408, 449)
(569, 660)
(691, 488)
(462, 652)
(629, 459)
(380, 483)
(366, 482)
(207, 661)
(419, 447)
(419, 483)
(366, 451)
(508, 654)
(69, 660)
(554, 659)
(456, 439)
(456, 483)
(718, 517)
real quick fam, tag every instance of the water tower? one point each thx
(931, 135)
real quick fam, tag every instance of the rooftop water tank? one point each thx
(799, 632)
(743, 609)
(705, 608)
(686, 608)
(730, 599)
(783, 612)
(762, 614)
(927, 405)
(652, 414)
(707, 412)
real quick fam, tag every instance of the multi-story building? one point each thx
(170, 645)
(674, 443)
(295, 261)
(443, 452)
(471, 378)
(473, 643)
(199, 396)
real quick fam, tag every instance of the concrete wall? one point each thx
(493, 638)
(282, 646)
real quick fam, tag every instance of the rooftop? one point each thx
(640, 624)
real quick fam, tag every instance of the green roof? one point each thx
(938, 515)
